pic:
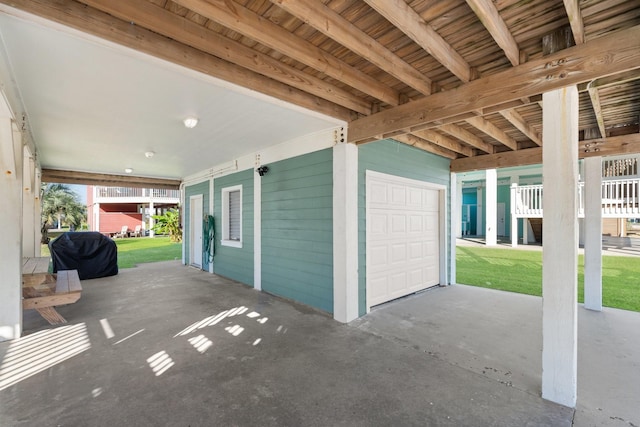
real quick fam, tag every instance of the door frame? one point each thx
(442, 223)
(193, 227)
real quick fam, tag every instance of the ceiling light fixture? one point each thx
(190, 122)
(128, 170)
(149, 154)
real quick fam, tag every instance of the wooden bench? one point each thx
(43, 291)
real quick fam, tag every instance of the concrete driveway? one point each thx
(164, 344)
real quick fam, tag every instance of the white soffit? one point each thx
(98, 107)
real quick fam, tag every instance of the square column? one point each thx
(513, 231)
(454, 223)
(491, 208)
(345, 232)
(29, 220)
(593, 233)
(560, 253)
(11, 164)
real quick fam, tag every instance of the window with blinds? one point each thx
(232, 216)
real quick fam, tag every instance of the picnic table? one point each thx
(43, 291)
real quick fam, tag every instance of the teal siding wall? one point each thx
(235, 263)
(398, 159)
(297, 224)
(193, 190)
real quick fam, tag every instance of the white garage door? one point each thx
(403, 237)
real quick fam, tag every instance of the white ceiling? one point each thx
(94, 106)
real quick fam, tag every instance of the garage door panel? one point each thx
(410, 235)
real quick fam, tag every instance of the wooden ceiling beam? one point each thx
(575, 20)
(597, 110)
(87, 178)
(238, 18)
(608, 81)
(493, 22)
(164, 22)
(521, 124)
(625, 144)
(424, 145)
(92, 21)
(334, 26)
(611, 54)
(493, 131)
(445, 142)
(467, 137)
(400, 14)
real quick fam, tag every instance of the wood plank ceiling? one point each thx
(462, 79)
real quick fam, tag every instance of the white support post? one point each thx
(514, 219)
(525, 231)
(345, 232)
(11, 192)
(491, 208)
(458, 208)
(560, 254)
(479, 210)
(454, 224)
(257, 231)
(37, 237)
(593, 233)
(152, 221)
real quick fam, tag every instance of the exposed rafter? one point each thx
(399, 13)
(467, 137)
(238, 18)
(575, 20)
(445, 142)
(76, 177)
(493, 131)
(325, 20)
(597, 110)
(425, 145)
(493, 22)
(567, 67)
(521, 124)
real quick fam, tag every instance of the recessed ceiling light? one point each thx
(128, 170)
(190, 122)
(149, 154)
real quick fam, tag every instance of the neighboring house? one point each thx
(286, 232)
(620, 192)
(111, 208)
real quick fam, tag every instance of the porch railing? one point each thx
(620, 199)
(141, 193)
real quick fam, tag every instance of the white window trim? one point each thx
(224, 241)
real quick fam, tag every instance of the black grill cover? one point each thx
(89, 252)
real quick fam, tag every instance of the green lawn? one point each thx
(521, 271)
(137, 250)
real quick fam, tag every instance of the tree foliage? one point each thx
(60, 204)
(169, 223)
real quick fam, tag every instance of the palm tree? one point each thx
(62, 205)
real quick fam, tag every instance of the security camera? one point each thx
(262, 170)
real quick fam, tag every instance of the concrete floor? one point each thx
(163, 344)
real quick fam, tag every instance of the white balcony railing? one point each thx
(135, 193)
(620, 199)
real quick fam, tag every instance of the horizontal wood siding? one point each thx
(193, 190)
(398, 159)
(297, 229)
(235, 263)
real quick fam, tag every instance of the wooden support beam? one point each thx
(467, 137)
(445, 142)
(422, 144)
(185, 31)
(624, 144)
(521, 124)
(493, 22)
(606, 55)
(617, 79)
(575, 20)
(238, 18)
(493, 131)
(331, 24)
(400, 14)
(597, 110)
(100, 24)
(76, 177)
